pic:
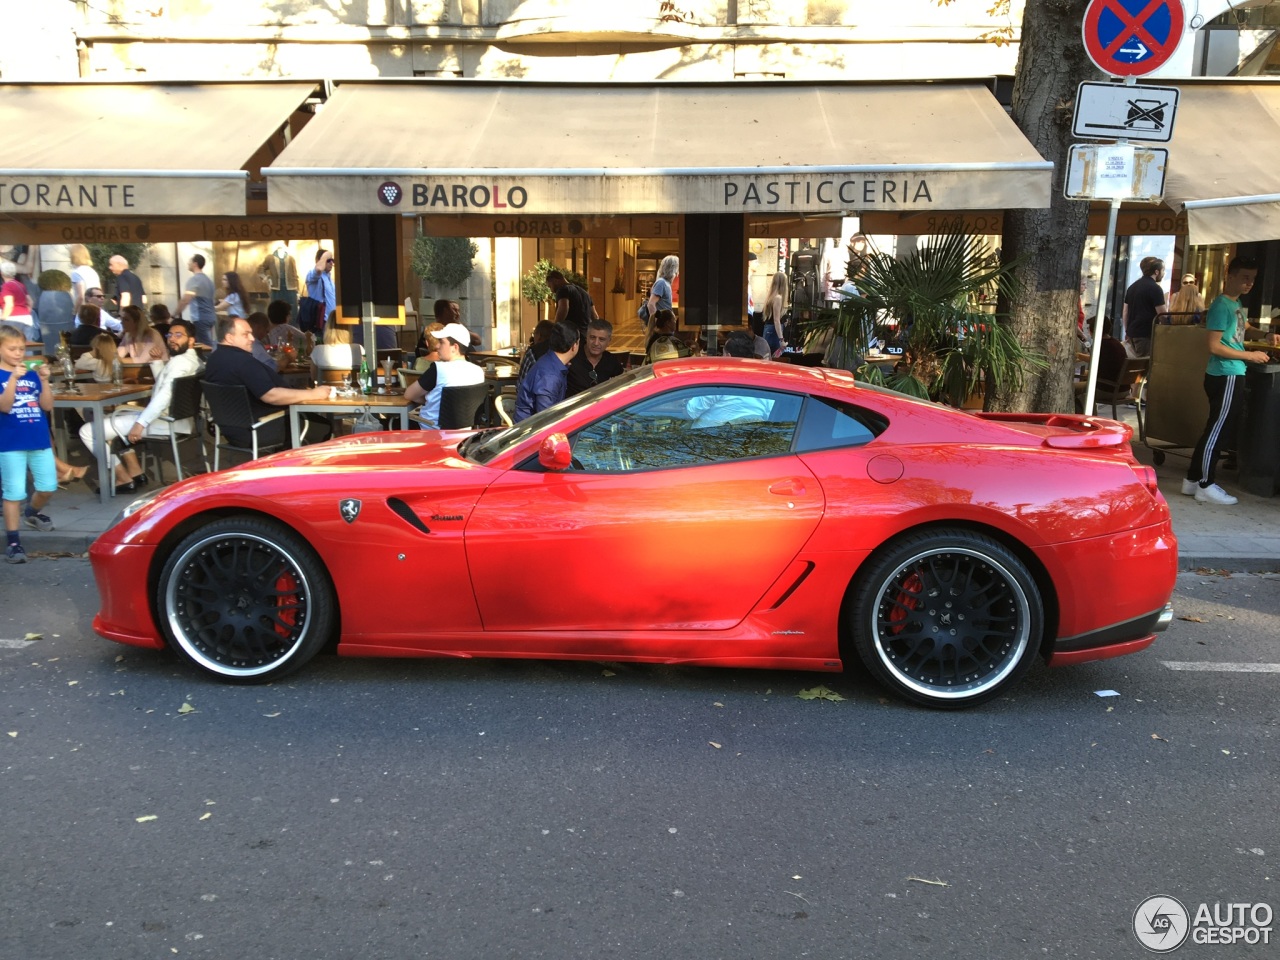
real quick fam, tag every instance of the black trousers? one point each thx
(1226, 400)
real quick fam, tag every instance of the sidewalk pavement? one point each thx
(1241, 538)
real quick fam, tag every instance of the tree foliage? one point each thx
(443, 261)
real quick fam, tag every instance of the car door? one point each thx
(679, 513)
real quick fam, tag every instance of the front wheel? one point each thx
(947, 618)
(245, 599)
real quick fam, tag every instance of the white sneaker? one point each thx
(1215, 494)
(1189, 488)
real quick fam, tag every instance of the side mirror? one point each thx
(555, 452)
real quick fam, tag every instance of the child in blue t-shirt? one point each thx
(25, 402)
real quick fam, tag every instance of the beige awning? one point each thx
(1224, 170)
(514, 149)
(147, 149)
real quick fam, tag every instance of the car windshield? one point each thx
(483, 447)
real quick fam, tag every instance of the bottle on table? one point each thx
(117, 373)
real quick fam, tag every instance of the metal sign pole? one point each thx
(1104, 285)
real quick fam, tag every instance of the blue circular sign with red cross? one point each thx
(1129, 38)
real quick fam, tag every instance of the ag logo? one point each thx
(350, 509)
(1161, 924)
(390, 194)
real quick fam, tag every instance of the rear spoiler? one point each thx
(1085, 432)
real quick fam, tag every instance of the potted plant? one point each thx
(933, 303)
(443, 261)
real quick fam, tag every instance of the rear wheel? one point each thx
(947, 618)
(245, 599)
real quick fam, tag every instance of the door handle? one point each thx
(788, 488)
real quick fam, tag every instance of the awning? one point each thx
(138, 150)
(1224, 161)
(523, 148)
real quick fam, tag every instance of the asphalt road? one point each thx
(385, 809)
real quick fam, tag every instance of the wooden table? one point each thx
(97, 397)
(387, 404)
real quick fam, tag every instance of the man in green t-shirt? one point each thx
(1223, 380)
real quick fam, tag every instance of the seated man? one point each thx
(594, 364)
(1112, 355)
(132, 421)
(452, 369)
(233, 363)
(112, 325)
(282, 331)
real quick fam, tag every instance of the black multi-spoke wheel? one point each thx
(947, 618)
(245, 599)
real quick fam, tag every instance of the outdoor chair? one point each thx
(1121, 390)
(184, 404)
(229, 407)
(460, 407)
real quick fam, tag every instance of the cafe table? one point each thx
(97, 397)
(387, 404)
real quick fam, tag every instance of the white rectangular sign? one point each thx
(1116, 111)
(1104, 172)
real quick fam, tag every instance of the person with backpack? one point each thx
(573, 304)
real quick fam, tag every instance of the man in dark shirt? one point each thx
(594, 364)
(233, 362)
(1143, 302)
(128, 285)
(572, 302)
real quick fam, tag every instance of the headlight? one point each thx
(135, 506)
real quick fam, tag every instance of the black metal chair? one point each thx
(183, 405)
(460, 406)
(229, 407)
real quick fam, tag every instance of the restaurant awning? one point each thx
(511, 148)
(1224, 169)
(135, 150)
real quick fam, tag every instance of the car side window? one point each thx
(831, 423)
(690, 427)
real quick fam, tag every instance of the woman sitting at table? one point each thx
(335, 353)
(98, 359)
(140, 343)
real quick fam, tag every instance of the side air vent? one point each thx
(405, 513)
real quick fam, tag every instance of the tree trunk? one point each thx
(1051, 64)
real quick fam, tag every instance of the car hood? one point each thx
(402, 448)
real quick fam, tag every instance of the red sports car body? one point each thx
(715, 512)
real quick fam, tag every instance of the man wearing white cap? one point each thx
(451, 370)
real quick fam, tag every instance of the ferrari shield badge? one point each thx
(350, 509)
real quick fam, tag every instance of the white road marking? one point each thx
(14, 644)
(1204, 666)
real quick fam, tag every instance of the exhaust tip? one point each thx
(1165, 618)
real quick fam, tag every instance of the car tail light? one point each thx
(1147, 477)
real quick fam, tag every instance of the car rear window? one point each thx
(827, 424)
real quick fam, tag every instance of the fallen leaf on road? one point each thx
(819, 693)
(1156, 736)
(13, 733)
(149, 817)
(932, 883)
(717, 704)
(714, 744)
(276, 714)
(186, 708)
(1191, 619)
(608, 673)
(33, 636)
(206, 816)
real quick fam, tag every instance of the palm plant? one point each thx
(952, 347)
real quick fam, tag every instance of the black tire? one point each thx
(946, 618)
(245, 599)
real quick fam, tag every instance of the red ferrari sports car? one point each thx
(712, 512)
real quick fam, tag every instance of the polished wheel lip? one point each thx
(196, 650)
(1009, 663)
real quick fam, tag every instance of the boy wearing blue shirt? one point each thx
(26, 400)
